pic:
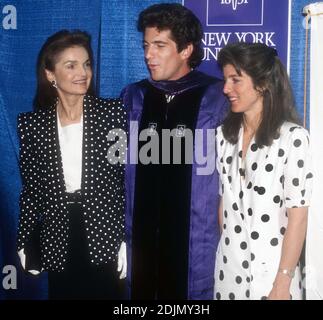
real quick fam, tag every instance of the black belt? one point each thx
(74, 197)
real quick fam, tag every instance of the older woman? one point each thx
(73, 196)
(265, 170)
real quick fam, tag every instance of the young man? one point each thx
(171, 215)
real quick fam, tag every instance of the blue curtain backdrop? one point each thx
(298, 55)
(117, 46)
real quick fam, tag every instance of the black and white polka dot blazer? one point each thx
(43, 195)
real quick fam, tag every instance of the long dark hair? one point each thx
(185, 27)
(270, 78)
(46, 94)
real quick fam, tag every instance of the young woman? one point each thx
(265, 172)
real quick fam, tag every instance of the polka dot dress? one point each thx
(43, 195)
(256, 193)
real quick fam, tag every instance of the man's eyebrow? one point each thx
(70, 61)
(156, 41)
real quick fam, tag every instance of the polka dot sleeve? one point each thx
(29, 200)
(298, 174)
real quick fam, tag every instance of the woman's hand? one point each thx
(22, 257)
(122, 261)
(277, 294)
(280, 290)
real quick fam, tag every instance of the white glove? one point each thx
(22, 257)
(122, 260)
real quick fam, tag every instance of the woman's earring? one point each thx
(261, 91)
(54, 84)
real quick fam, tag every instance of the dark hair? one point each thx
(46, 94)
(185, 27)
(270, 78)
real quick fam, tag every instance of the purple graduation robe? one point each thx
(203, 230)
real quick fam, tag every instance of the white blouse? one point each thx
(70, 141)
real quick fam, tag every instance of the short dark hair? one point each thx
(46, 95)
(270, 78)
(185, 27)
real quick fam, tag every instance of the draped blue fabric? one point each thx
(117, 47)
(298, 56)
